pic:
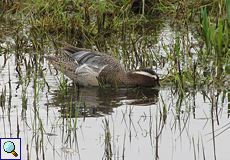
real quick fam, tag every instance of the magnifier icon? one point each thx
(9, 147)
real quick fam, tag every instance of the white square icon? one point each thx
(10, 148)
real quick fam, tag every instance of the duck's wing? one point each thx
(87, 57)
(81, 65)
(84, 74)
(76, 57)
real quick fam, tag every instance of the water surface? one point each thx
(57, 121)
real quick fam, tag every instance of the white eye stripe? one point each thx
(145, 74)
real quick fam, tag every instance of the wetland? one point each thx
(185, 42)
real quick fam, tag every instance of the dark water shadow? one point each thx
(96, 101)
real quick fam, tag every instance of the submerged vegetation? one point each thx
(194, 60)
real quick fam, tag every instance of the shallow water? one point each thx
(105, 123)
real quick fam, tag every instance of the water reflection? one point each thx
(95, 101)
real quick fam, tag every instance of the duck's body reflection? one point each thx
(96, 101)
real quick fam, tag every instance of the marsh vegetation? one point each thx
(185, 42)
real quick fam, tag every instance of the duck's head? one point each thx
(145, 77)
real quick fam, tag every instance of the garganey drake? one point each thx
(87, 67)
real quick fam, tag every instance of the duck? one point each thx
(92, 68)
